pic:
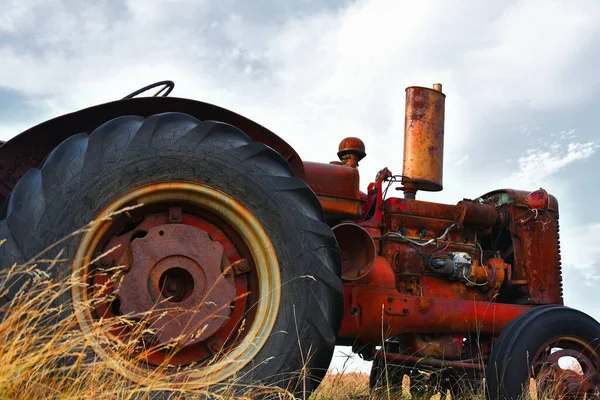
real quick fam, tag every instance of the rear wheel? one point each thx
(206, 249)
(557, 346)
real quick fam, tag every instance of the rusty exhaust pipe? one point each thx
(423, 140)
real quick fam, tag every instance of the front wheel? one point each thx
(208, 264)
(557, 346)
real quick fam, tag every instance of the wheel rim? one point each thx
(218, 272)
(568, 367)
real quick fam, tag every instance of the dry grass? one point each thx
(355, 386)
(348, 385)
(43, 356)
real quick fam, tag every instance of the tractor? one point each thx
(249, 265)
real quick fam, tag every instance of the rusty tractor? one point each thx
(248, 265)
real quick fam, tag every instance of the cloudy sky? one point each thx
(521, 77)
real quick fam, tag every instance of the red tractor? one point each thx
(253, 264)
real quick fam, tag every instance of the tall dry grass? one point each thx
(355, 386)
(44, 354)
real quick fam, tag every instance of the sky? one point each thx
(521, 78)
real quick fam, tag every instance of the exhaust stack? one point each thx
(423, 140)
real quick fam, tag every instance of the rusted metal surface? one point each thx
(357, 249)
(337, 188)
(120, 257)
(535, 244)
(475, 215)
(448, 347)
(423, 139)
(248, 263)
(374, 308)
(350, 151)
(568, 368)
(500, 253)
(28, 149)
(177, 278)
(403, 359)
(371, 314)
(498, 271)
(420, 221)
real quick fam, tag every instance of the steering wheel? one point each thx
(167, 87)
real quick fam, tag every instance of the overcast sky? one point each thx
(522, 81)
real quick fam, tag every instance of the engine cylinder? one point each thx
(423, 139)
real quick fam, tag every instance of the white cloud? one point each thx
(318, 76)
(581, 267)
(537, 165)
(580, 248)
(534, 52)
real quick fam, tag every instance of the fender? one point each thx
(28, 149)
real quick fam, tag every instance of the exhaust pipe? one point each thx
(423, 140)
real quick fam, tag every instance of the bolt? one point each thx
(353, 310)
(391, 298)
(174, 214)
(240, 267)
(405, 310)
(105, 261)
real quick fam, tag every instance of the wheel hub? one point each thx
(156, 298)
(577, 380)
(176, 284)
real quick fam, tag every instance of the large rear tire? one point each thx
(211, 175)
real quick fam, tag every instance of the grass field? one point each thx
(36, 344)
(31, 368)
(37, 339)
(355, 386)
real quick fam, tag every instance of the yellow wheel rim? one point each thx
(256, 240)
